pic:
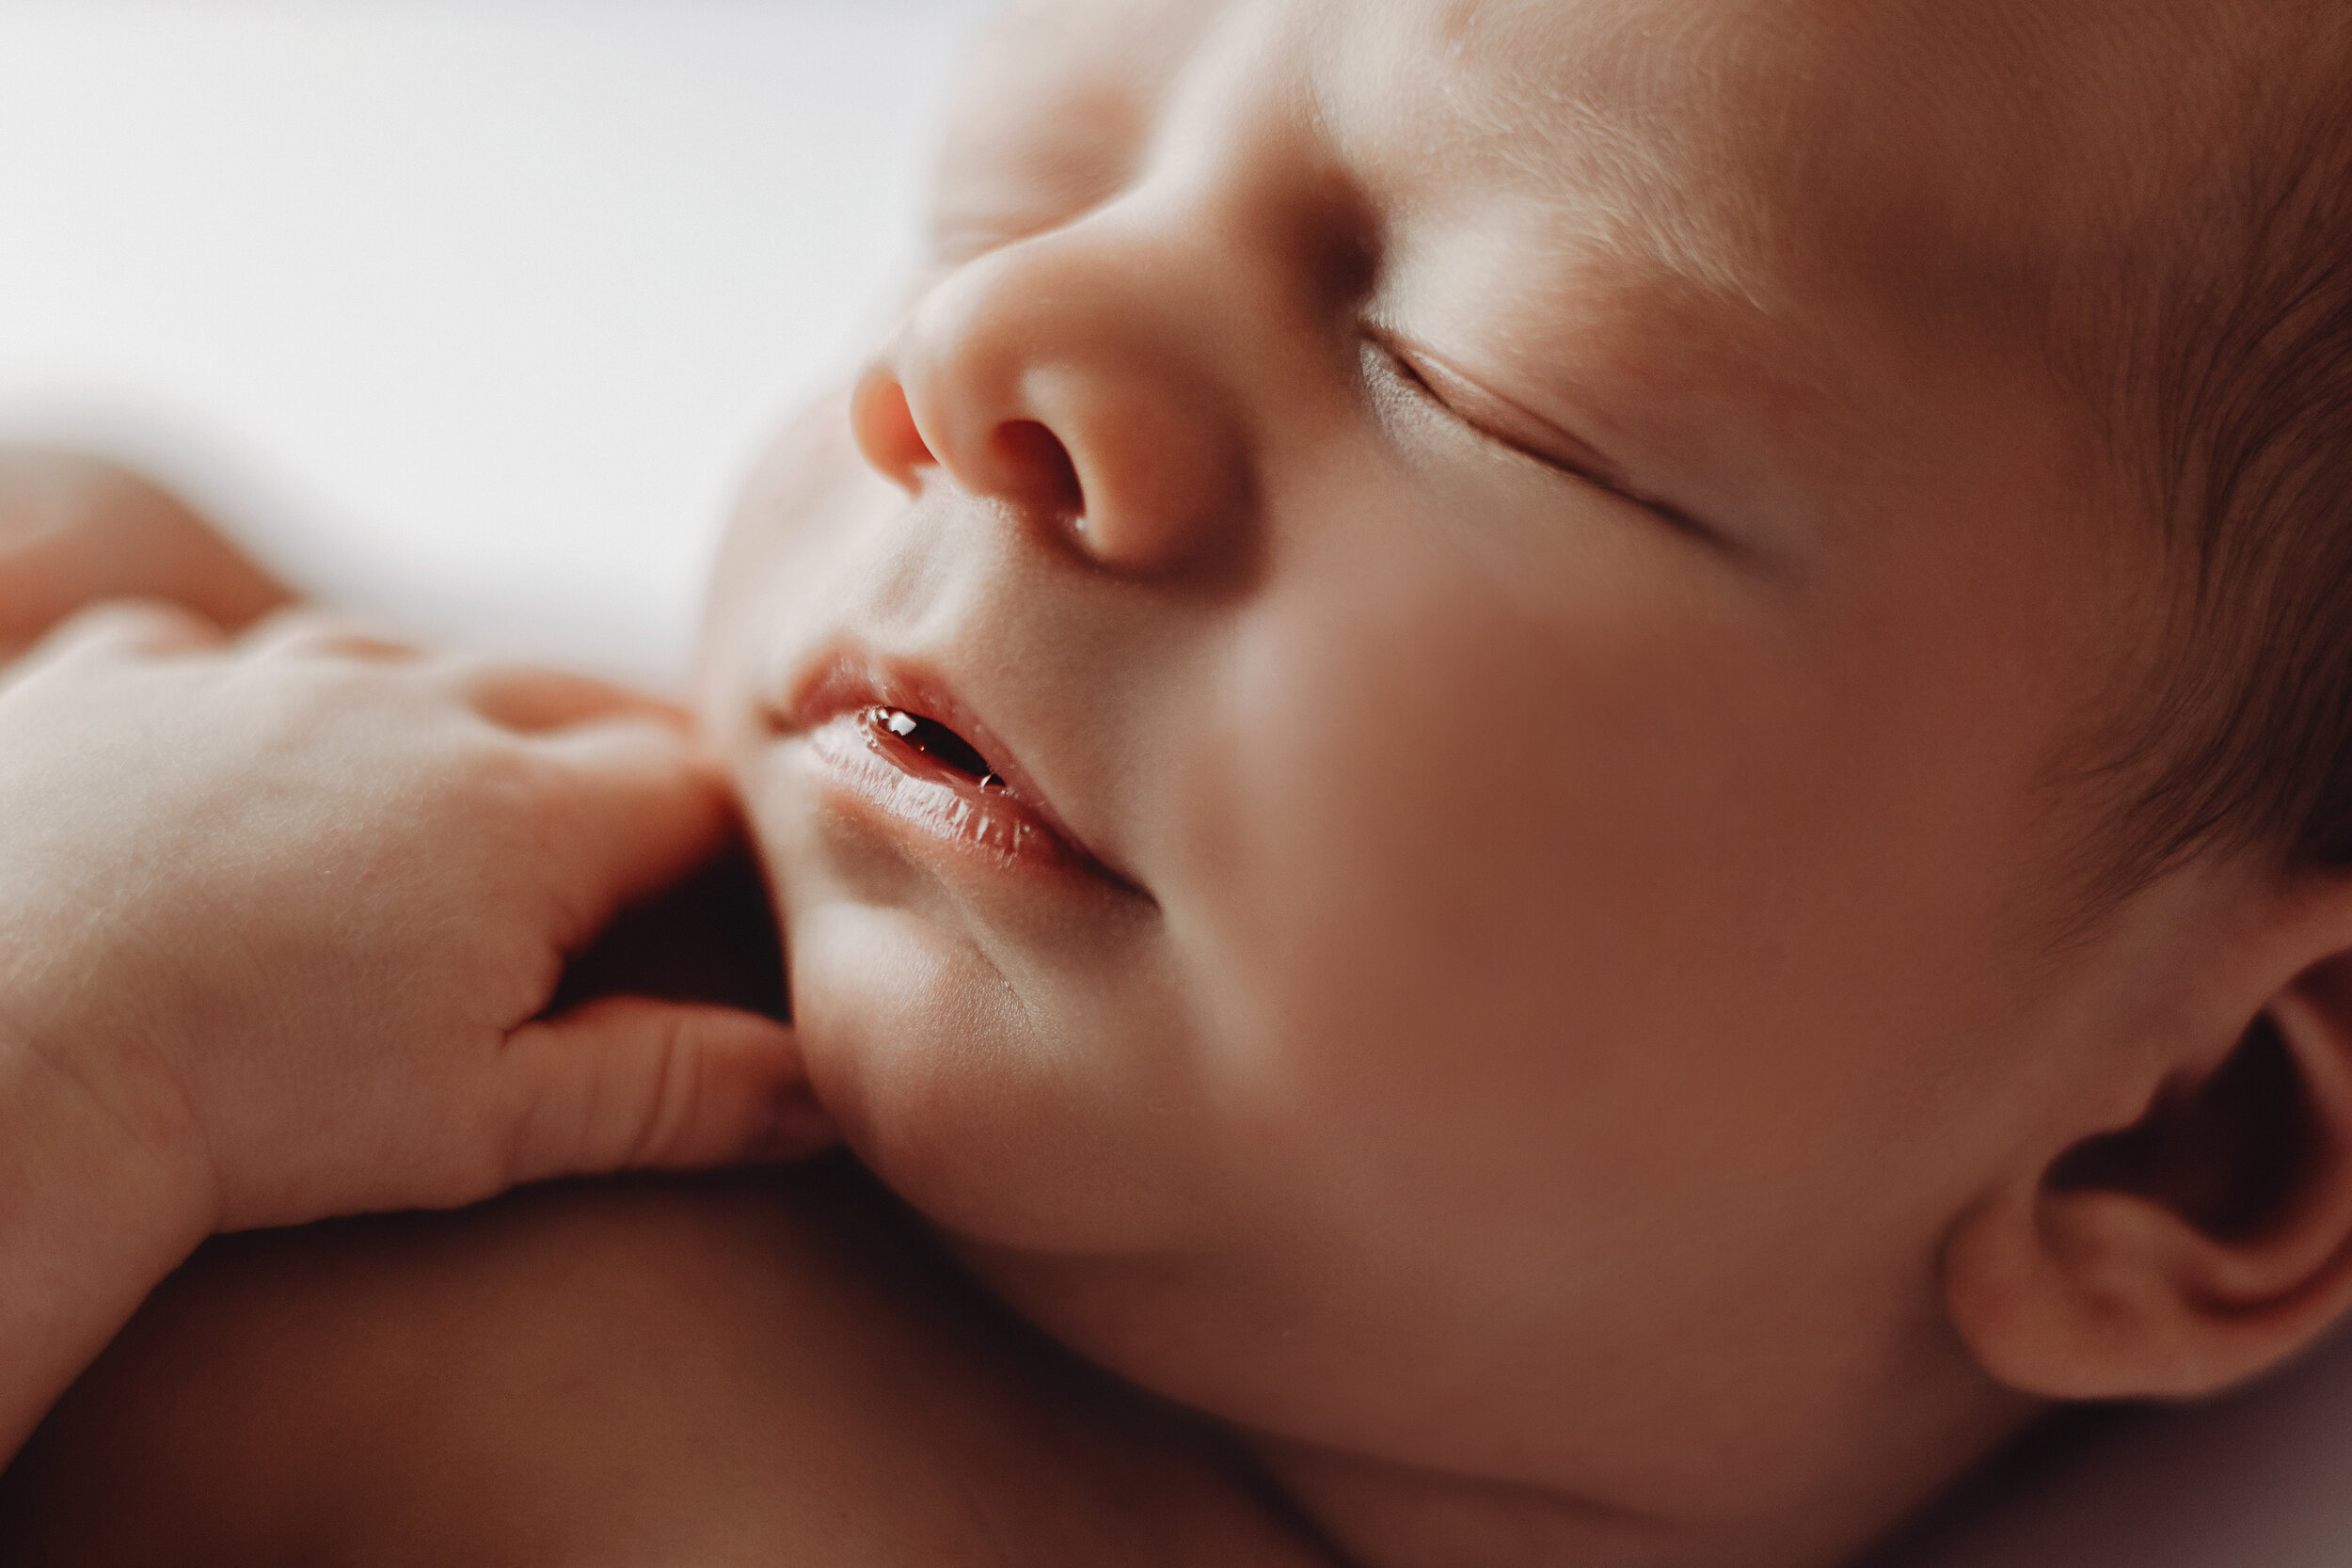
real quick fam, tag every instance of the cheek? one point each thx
(1460, 834)
(1544, 903)
(1432, 763)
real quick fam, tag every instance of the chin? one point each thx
(996, 1098)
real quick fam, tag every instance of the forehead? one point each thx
(1921, 157)
(1888, 153)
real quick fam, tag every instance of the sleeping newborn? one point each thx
(1571, 775)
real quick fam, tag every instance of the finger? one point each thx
(632, 1083)
(127, 628)
(531, 701)
(313, 634)
(641, 806)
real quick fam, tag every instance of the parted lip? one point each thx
(847, 679)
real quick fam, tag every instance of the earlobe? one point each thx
(2200, 1245)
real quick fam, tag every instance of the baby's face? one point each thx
(1488, 899)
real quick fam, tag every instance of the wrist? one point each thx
(76, 1045)
(100, 1142)
(93, 1213)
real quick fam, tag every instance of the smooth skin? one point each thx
(279, 917)
(1534, 541)
(1538, 538)
(731, 1373)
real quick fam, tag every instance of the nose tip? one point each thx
(1137, 484)
(1072, 379)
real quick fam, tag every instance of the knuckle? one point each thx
(118, 624)
(309, 633)
(289, 625)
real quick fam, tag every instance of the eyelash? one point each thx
(1411, 374)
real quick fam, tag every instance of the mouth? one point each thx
(930, 738)
(895, 745)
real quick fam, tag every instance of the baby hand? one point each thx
(278, 918)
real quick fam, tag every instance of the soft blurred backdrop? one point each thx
(466, 313)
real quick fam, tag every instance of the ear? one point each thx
(2204, 1244)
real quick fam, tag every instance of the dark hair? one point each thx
(2237, 731)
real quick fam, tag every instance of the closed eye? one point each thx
(1504, 423)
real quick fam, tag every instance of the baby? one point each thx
(1581, 767)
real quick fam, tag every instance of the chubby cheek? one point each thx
(1547, 904)
(1593, 945)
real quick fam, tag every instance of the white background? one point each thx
(466, 313)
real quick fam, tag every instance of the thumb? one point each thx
(627, 1083)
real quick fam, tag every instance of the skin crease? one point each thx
(1534, 538)
(1570, 651)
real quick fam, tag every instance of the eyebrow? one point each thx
(1572, 135)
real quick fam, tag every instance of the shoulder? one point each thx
(754, 1368)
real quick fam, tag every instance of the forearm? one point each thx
(76, 530)
(89, 1224)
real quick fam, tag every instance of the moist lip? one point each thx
(903, 746)
(933, 739)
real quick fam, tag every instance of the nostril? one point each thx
(1049, 479)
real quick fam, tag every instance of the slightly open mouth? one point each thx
(920, 772)
(888, 739)
(933, 739)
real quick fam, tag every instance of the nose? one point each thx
(1078, 378)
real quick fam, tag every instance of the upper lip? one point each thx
(850, 679)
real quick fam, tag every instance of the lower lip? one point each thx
(896, 781)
